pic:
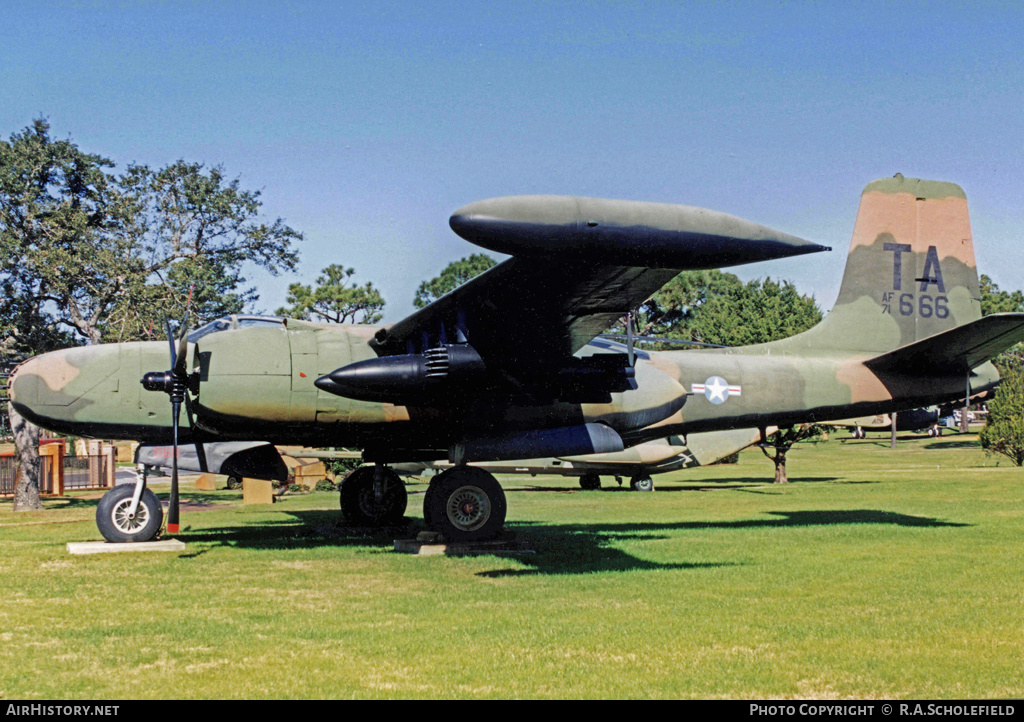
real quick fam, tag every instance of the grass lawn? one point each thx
(874, 574)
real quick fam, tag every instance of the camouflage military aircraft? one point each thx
(926, 420)
(640, 462)
(501, 368)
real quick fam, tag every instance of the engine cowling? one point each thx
(407, 378)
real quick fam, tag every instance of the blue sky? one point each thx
(366, 124)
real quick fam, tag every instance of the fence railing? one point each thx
(58, 471)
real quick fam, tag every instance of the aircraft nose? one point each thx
(48, 389)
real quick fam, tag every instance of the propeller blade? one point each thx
(175, 384)
(172, 504)
(180, 360)
(170, 340)
(200, 449)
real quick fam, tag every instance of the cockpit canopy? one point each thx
(234, 321)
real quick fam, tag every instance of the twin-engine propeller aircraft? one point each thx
(502, 367)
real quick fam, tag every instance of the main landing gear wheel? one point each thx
(359, 501)
(465, 503)
(590, 482)
(116, 522)
(641, 483)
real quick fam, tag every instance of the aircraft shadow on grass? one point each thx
(560, 548)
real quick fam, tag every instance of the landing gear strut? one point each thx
(465, 503)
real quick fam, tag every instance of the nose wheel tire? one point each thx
(590, 481)
(641, 483)
(465, 503)
(116, 522)
(359, 501)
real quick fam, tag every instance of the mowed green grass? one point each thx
(875, 574)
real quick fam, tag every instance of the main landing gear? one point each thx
(464, 503)
(641, 482)
(373, 496)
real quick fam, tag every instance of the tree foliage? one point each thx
(715, 307)
(995, 300)
(1004, 428)
(334, 299)
(453, 276)
(103, 257)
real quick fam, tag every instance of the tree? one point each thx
(87, 256)
(1004, 428)
(715, 307)
(194, 230)
(105, 256)
(453, 276)
(333, 300)
(994, 300)
(782, 441)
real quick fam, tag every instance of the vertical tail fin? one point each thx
(910, 272)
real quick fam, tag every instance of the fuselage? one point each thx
(257, 383)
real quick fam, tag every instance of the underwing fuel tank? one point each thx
(622, 233)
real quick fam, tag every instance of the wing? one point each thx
(522, 311)
(578, 265)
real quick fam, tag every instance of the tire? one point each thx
(234, 482)
(465, 504)
(359, 504)
(590, 482)
(113, 522)
(641, 483)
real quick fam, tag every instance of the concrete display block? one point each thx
(164, 545)
(206, 482)
(257, 491)
(428, 544)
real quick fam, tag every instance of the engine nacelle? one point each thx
(407, 378)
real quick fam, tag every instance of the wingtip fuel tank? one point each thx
(616, 232)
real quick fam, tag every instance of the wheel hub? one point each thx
(127, 522)
(468, 508)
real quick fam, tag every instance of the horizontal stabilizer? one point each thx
(957, 350)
